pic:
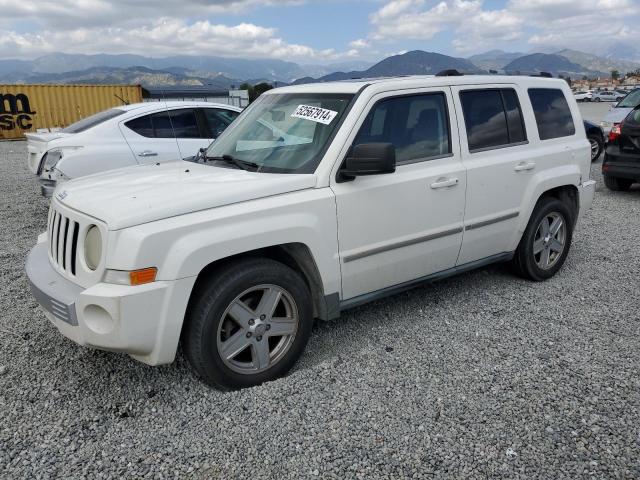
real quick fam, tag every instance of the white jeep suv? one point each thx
(316, 199)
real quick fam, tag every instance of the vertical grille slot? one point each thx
(74, 247)
(64, 243)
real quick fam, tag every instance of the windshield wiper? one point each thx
(241, 164)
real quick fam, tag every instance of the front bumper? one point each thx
(587, 191)
(143, 321)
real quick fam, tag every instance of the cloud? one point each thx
(576, 24)
(472, 26)
(90, 13)
(164, 37)
(359, 43)
(475, 27)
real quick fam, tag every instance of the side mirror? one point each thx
(369, 159)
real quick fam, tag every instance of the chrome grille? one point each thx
(63, 241)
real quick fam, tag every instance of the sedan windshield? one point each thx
(282, 133)
(632, 100)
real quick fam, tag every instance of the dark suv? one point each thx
(621, 164)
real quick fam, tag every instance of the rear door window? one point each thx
(552, 113)
(493, 118)
(168, 124)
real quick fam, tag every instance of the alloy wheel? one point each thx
(257, 329)
(549, 240)
(595, 148)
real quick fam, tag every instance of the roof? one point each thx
(151, 106)
(183, 91)
(411, 81)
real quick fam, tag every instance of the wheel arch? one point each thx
(564, 188)
(295, 255)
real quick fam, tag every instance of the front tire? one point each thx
(248, 324)
(617, 184)
(546, 241)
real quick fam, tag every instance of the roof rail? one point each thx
(542, 74)
(451, 72)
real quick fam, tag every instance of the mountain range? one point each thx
(224, 73)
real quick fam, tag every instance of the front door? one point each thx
(398, 227)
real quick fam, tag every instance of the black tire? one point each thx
(598, 99)
(524, 260)
(210, 301)
(598, 139)
(617, 184)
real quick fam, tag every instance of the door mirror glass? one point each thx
(370, 159)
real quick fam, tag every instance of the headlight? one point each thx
(93, 247)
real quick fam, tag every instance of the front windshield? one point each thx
(632, 100)
(282, 133)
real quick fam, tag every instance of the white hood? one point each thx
(131, 196)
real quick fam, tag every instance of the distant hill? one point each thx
(201, 66)
(494, 59)
(416, 62)
(598, 64)
(545, 62)
(131, 75)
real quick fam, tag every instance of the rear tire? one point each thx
(597, 145)
(617, 184)
(248, 323)
(546, 241)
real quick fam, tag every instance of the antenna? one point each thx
(124, 102)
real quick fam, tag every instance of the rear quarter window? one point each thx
(552, 113)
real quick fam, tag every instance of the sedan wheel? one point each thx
(257, 329)
(549, 241)
(596, 148)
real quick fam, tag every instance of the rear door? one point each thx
(495, 151)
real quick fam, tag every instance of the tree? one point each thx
(615, 75)
(255, 91)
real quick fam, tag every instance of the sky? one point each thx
(312, 31)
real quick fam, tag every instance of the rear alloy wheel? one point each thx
(596, 147)
(546, 241)
(617, 184)
(248, 324)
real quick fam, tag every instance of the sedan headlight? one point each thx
(93, 247)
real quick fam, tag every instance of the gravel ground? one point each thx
(479, 376)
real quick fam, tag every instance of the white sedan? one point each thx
(583, 95)
(125, 136)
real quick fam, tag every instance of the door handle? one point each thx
(147, 153)
(523, 166)
(444, 182)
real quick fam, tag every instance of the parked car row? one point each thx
(318, 198)
(599, 95)
(619, 111)
(129, 135)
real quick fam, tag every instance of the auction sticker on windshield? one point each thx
(315, 114)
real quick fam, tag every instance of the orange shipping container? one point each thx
(27, 108)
